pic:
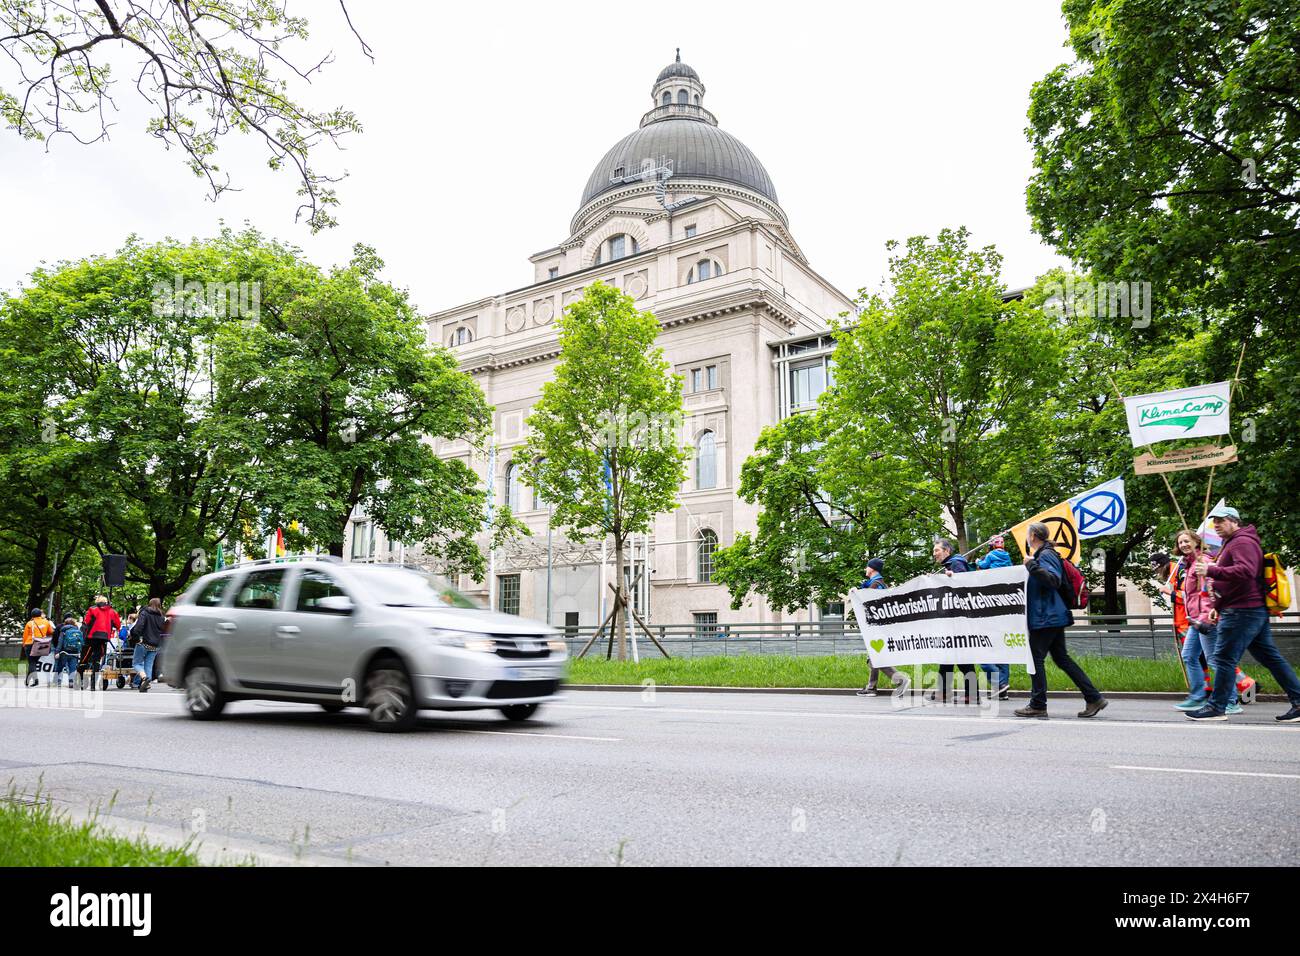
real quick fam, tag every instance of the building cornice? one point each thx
(708, 186)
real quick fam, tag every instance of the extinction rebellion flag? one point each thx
(972, 618)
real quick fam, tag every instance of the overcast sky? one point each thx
(876, 121)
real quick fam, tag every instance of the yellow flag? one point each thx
(1061, 530)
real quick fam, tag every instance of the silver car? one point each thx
(393, 640)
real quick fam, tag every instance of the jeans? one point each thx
(877, 671)
(142, 660)
(1244, 629)
(1051, 640)
(1002, 670)
(1201, 640)
(65, 663)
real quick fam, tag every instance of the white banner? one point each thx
(1183, 413)
(972, 618)
(1101, 510)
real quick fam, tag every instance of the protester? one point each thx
(875, 579)
(945, 555)
(68, 646)
(37, 636)
(997, 558)
(149, 629)
(1172, 572)
(1198, 643)
(99, 623)
(1241, 615)
(1048, 618)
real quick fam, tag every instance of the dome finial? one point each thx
(679, 54)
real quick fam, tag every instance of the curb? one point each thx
(851, 691)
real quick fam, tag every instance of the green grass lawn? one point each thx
(39, 835)
(12, 665)
(770, 670)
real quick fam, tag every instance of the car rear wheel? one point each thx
(332, 708)
(519, 712)
(390, 698)
(203, 697)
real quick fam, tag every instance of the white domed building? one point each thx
(682, 216)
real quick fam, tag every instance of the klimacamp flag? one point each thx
(1182, 413)
(1061, 530)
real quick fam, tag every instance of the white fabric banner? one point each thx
(973, 618)
(1101, 510)
(1182, 413)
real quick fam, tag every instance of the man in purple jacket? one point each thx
(1243, 618)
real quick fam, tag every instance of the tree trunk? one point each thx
(620, 614)
(1111, 584)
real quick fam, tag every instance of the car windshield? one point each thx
(409, 587)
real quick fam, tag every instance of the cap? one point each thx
(1159, 559)
(876, 564)
(1223, 511)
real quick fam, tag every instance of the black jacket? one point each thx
(149, 627)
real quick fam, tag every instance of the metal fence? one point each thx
(1138, 636)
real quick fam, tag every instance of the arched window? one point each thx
(683, 97)
(512, 487)
(704, 269)
(462, 336)
(705, 544)
(668, 98)
(697, 99)
(616, 247)
(706, 461)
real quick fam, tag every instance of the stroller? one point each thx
(117, 666)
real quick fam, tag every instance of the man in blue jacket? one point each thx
(1048, 619)
(946, 556)
(875, 579)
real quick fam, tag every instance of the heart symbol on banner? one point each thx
(877, 646)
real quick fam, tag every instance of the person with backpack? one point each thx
(99, 623)
(1242, 615)
(68, 645)
(38, 633)
(945, 555)
(875, 579)
(149, 629)
(1048, 616)
(997, 558)
(1202, 631)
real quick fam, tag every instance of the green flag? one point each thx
(221, 557)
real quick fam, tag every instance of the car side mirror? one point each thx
(335, 604)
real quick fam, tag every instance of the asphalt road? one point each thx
(679, 778)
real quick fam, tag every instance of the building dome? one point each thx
(679, 132)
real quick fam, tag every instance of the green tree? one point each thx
(339, 397)
(205, 68)
(604, 440)
(817, 526)
(941, 379)
(1169, 153)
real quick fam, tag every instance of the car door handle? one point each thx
(227, 626)
(288, 630)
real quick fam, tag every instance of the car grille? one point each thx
(506, 689)
(521, 648)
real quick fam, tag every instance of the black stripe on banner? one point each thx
(930, 604)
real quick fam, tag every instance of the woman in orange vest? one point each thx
(37, 634)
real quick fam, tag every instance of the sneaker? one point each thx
(867, 691)
(1031, 711)
(1205, 713)
(1291, 716)
(1192, 702)
(1234, 709)
(902, 683)
(1095, 708)
(144, 686)
(1004, 692)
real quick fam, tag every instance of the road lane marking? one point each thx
(1216, 773)
(524, 733)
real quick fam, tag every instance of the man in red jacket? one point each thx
(99, 625)
(1242, 615)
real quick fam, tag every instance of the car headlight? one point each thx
(469, 640)
(557, 647)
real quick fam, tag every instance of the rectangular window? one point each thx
(807, 384)
(697, 380)
(617, 248)
(363, 541)
(553, 272)
(706, 625)
(690, 231)
(570, 624)
(710, 376)
(508, 593)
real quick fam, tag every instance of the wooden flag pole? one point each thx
(1236, 377)
(1168, 486)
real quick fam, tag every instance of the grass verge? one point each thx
(770, 670)
(34, 833)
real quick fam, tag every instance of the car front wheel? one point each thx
(390, 698)
(203, 697)
(517, 712)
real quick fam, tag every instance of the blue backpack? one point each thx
(70, 640)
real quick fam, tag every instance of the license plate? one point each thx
(528, 673)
